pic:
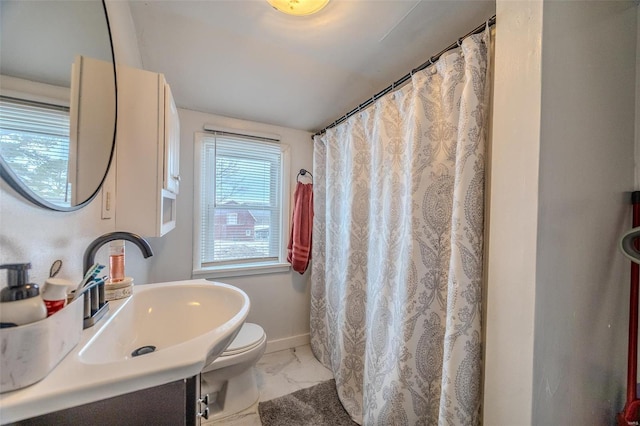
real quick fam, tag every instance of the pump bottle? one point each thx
(20, 302)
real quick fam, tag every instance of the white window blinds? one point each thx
(240, 201)
(34, 141)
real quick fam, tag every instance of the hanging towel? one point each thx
(299, 249)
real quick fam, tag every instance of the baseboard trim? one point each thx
(287, 343)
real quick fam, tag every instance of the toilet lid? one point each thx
(249, 336)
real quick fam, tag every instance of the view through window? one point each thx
(240, 200)
(34, 141)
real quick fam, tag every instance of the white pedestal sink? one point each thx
(189, 323)
(173, 318)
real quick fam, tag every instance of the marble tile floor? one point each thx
(279, 373)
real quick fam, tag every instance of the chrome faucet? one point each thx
(92, 249)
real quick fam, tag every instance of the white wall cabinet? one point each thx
(147, 153)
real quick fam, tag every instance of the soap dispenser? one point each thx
(20, 301)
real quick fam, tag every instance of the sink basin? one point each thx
(162, 317)
(189, 323)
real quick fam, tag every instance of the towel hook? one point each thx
(303, 172)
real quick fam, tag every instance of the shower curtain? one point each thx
(398, 227)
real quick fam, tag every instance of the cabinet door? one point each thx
(88, 159)
(170, 404)
(171, 143)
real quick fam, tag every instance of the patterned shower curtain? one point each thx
(397, 270)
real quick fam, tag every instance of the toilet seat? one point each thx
(249, 337)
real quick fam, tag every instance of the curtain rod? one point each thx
(396, 84)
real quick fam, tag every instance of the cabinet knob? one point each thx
(176, 177)
(204, 414)
(205, 400)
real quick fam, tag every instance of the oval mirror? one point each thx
(57, 100)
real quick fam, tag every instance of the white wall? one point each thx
(557, 303)
(512, 215)
(279, 301)
(586, 176)
(39, 236)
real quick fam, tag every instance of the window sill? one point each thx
(240, 270)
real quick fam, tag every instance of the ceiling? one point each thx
(243, 59)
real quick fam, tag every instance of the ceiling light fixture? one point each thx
(298, 7)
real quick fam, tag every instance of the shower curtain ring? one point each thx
(460, 42)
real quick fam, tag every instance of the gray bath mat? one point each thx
(315, 406)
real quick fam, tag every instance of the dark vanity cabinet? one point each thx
(173, 404)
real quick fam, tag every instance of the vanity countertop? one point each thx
(76, 382)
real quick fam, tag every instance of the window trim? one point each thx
(232, 270)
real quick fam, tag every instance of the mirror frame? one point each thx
(16, 183)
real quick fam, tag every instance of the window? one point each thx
(241, 204)
(232, 219)
(34, 141)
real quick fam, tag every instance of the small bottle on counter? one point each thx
(116, 261)
(21, 301)
(54, 294)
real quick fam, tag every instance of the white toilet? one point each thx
(230, 380)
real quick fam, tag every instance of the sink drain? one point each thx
(143, 350)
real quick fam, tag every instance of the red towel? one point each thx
(299, 249)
